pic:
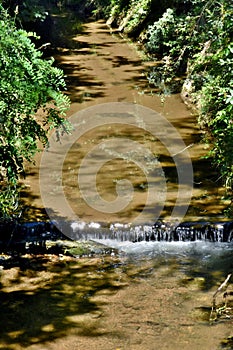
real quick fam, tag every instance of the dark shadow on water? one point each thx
(54, 302)
(30, 212)
(119, 61)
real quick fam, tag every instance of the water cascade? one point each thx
(40, 232)
(160, 231)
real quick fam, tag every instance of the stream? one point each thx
(148, 295)
(127, 155)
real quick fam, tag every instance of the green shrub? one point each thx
(198, 46)
(137, 13)
(28, 84)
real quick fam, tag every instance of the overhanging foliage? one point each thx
(31, 102)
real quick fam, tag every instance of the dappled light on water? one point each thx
(149, 295)
(103, 68)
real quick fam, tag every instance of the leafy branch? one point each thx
(32, 101)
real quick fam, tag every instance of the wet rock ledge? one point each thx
(45, 238)
(76, 238)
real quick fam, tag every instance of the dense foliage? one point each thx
(199, 45)
(191, 40)
(27, 10)
(31, 102)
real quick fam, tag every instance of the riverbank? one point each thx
(135, 296)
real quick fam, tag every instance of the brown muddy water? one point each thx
(150, 295)
(104, 68)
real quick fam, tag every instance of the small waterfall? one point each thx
(37, 232)
(165, 232)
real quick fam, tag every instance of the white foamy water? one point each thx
(203, 250)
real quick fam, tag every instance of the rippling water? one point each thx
(206, 257)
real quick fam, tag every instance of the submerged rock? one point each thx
(78, 249)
